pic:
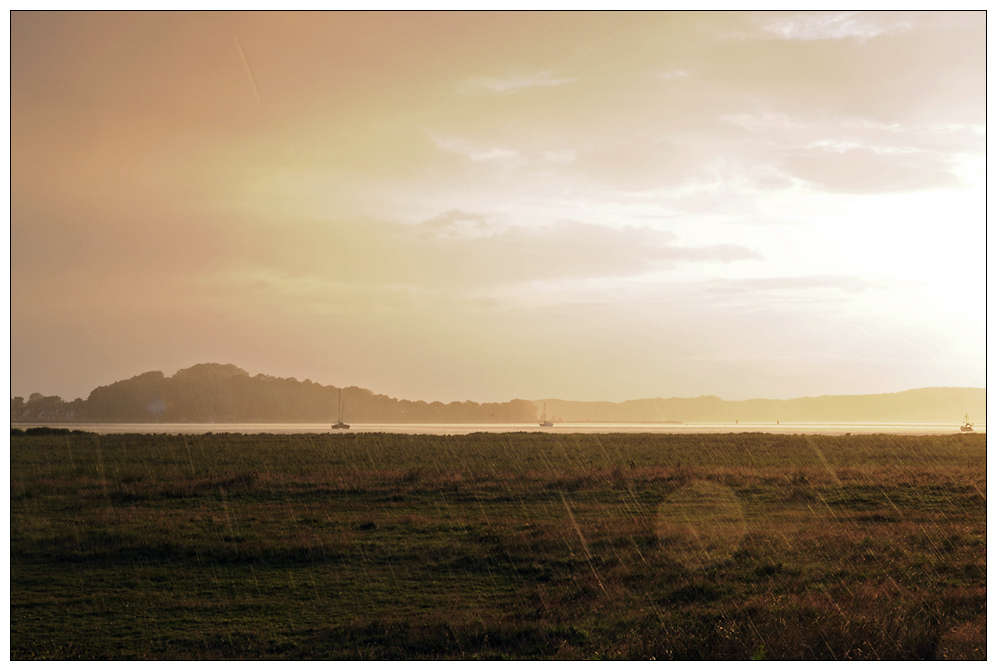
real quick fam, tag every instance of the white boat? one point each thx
(340, 424)
(543, 418)
(966, 426)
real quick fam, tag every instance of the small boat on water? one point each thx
(966, 426)
(340, 424)
(543, 418)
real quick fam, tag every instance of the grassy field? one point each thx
(498, 546)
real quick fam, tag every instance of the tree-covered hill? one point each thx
(213, 392)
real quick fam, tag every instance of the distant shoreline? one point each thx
(566, 428)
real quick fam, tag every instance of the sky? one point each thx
(479, 206)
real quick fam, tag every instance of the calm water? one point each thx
(455, 429)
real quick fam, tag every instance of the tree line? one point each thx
(213, 392)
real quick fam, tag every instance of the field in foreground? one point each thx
(498, 546)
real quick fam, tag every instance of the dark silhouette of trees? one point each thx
(40, 407)
(212, 392)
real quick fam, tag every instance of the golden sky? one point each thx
(451, 206)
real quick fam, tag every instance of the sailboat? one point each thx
(966, 426)
(340, 424)
(543, 418)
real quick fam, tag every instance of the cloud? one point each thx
(834, 25)
(458, 224)
(854, 154)
(636, 162)
(846, 131)
(865, 170)
(459, 251)
(476, 152)
(674, 74)
(565, 249)
(846, 283)
(493, 154)
(894, 68)
(561, 156)
(725, 253)
(514, 83)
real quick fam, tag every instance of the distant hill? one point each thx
(933, 405)
(212, 392)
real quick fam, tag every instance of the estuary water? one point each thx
(459, 429)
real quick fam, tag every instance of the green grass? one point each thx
(498, 546)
